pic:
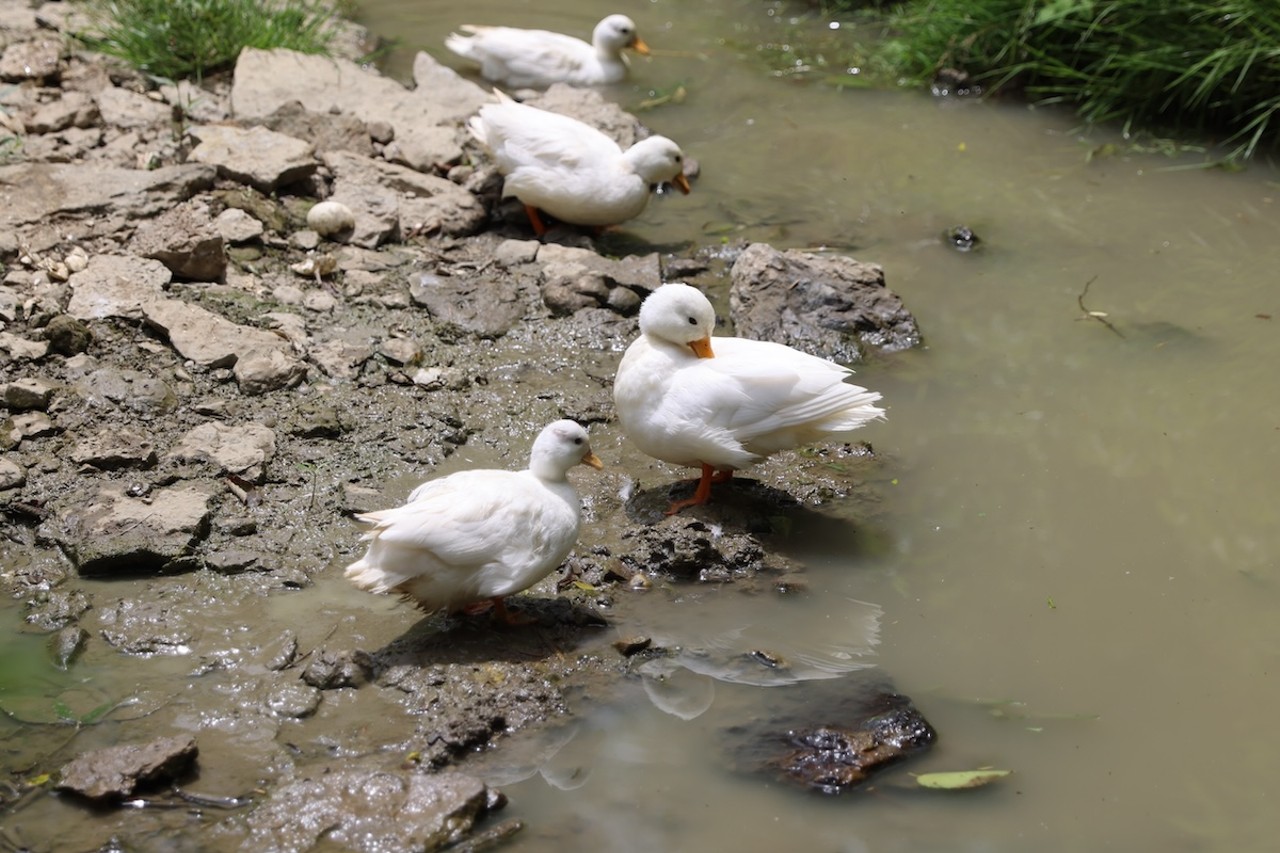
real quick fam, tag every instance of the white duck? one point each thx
(557, 164)
(680, 404)
(482, 534)
(518, 58)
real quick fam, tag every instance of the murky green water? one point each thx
(1079, 580)
(1074, 571)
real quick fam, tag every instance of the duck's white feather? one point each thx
(569, 169)
(752, 399)
(520, 58)
(482, 534)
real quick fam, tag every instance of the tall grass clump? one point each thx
(1204, 67)
(176, 39)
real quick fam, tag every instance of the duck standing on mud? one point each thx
(721, 404)
(479, 536)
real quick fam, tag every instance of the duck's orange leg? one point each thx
(539, 227)
(702, 493)
(501, 612)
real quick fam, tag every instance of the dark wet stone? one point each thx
(961, 238)
(690, 549)
(282, 652)
(232, 561)
(57, 608)
(67, 335)
(628, 646)
(389, 811)
(830, 736)
(147, 627)
(329, 670)
(118, 771)
(67, 644)
(827, 305)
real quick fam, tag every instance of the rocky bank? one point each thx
(200, 389)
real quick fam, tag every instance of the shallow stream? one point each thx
(1077, 560)
(1072, 566)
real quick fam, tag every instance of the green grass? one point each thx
(176, 39)
(1199, 68)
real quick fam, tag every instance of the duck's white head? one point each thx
(560, 446)
(658, 159)
(681, 315)
(615, 33)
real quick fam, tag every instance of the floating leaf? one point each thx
(960, 779)
(584, 586)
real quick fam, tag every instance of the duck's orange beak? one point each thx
(640, 47)
(702, 347)
(593, 460)
(682, 182)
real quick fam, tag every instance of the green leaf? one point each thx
(960, 779)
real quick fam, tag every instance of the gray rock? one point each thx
(122, 108)
(257, 156)
(388, 199)
(511, 253)
(32, 195)
(488, 309)
(575, 278)
(268, 369)
(368, 809)
(21, 349)
(339, 359)
(113, 448)
(428, 149)
(29, 393)
(72, 109)
(118, 771)
(236, 226)
(443, 93)
(129, 389)
(33, 425)
(204, 337)
(116, 286)
(243, 450)
(265, 81)
(12, 475)
(31, 60)
(185, 240)
(327, 131)
(826, 305)
(113, 531)
(400, 350)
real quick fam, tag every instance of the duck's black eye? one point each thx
(693, 321)
(578, 440)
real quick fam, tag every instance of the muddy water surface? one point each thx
(1071, 561)
(1078, 556)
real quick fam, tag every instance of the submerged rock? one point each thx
(829, 736)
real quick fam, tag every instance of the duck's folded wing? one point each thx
(461, 524)
(527, 135)
(536, 54)
(753, 387)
